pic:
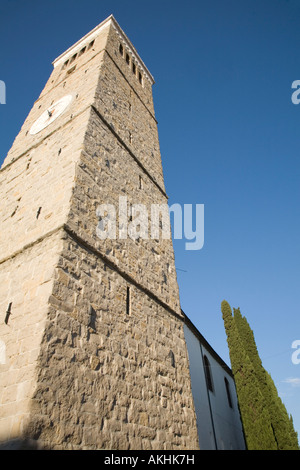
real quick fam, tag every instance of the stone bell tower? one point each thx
(92, 349)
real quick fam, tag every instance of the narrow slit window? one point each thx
(140, 182)
(73, 58)
(227, 386)
(65, 64)
(82, 51)
(208, 375)
(38, 212)
(172, 358)
(8, 313)
(133, 68)
(140, 78)
(127, 59)
(128, 301)
(15, 210)
(121, 49)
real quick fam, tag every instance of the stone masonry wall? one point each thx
(107, 171)
(26, 282)
(37, 188)
(128, 107)
(80, 81)
(109, 379)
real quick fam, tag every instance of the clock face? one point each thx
(55, 110)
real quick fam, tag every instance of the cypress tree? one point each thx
(256, 422)
(277, 432)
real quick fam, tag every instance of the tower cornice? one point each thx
(110, 21)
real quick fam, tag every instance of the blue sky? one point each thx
(229, 136)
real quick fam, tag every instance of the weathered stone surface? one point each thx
(26, 281)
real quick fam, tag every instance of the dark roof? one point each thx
(205, 343)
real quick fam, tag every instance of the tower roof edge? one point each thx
(110, 20)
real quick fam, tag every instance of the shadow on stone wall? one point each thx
(20, 444)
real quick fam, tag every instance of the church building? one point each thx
(95, 351)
